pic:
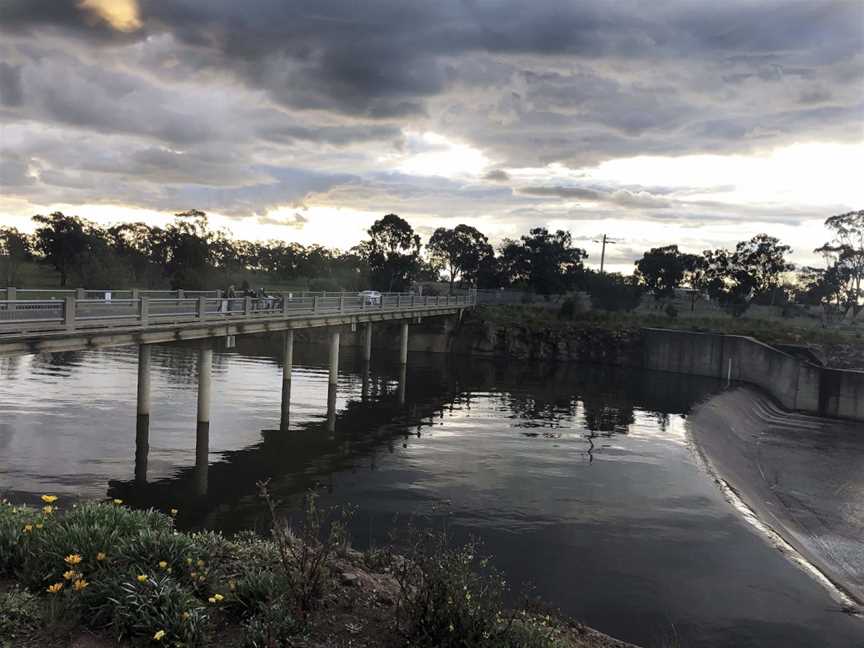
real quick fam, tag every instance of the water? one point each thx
(579, 479)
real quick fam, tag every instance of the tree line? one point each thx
(189, 253)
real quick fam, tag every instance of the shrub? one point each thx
(271, 627)
(143, 609)
(451, 597)
(306, 550)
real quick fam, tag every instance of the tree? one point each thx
(392, 252)
(753, 270)
(760, 263)
(14, 250)
(846, 252)
(62, 240)
(460, 251)
(662, 270)
(548, 263)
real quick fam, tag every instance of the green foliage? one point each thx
(306, 550)
(392, 253)
(143, 609)
(545, 261)
(450, 597)
(460, 251)
(272, 626)
(663, 269)
(20, 616)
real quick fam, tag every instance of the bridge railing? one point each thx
(70, 313)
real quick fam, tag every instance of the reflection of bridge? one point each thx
(68, 321)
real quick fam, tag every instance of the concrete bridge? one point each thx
(47, 321)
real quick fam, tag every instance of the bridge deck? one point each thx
(28, 326)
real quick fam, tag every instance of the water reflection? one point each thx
(577, 478)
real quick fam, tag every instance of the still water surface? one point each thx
(580, 480)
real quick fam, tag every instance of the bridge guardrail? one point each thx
(25, 316)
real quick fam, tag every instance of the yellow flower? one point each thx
(118, 502)
(39, 525)
(200, 563)
(174, 512)
(142, 578)
(218, 597)
(49, 499)
(71, 575)
(201, 578)
(159, 635)
(79, 584)
(56, 587)
(101, 556)
(28, 528)
(72, 559)
(163, 564)
(48, 510)
(212, 599)
(188, 561)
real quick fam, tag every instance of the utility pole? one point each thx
(603, 251)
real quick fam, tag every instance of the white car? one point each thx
(370, 297)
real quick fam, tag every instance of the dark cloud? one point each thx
(240, 107)
(10, 84)
(497, 175)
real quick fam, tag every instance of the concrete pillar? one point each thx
(334, 357)
(287, 366)
(331, 408)
(403, 378)
(142, 447)
(144, 379)
(367, 343)
(364, 388)
(403, 350)
(202, 452)
(205, 369)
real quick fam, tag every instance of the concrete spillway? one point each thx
(802, 476)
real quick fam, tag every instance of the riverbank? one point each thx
(102, 574)
(527, 332)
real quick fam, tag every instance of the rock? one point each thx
(349, 578)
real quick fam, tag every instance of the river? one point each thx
(581, 480)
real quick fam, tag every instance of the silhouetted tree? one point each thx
(15, 249)
(392, 252)
(62, 240)
(662, 270)
(846, 252)
(546, 262)
(460, 251)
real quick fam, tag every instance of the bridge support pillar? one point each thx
(403, 350)
(367, 342)
(334, 357)
(144, 379)
(403, 377)
(331, 408)
(142, 424)
(205, 369)
(287, 366)
(202, 436)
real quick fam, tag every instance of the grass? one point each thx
(771, 331)
(128, 576)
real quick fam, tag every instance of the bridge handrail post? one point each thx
(285, 303)
(180, 294)
(10, 294)
(247, 306)
(143, 310)
(202, 308)
(80, 293)
(315, 304)
(341, 304)
(362, 303)
(398, 300)
(69, 313)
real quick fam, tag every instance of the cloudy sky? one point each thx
(697, 123)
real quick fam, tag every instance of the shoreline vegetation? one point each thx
(531, 332)
(101, 574)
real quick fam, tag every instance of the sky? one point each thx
(694, 123)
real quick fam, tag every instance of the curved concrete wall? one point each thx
(796, 384)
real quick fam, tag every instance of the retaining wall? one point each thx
(796, 384)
